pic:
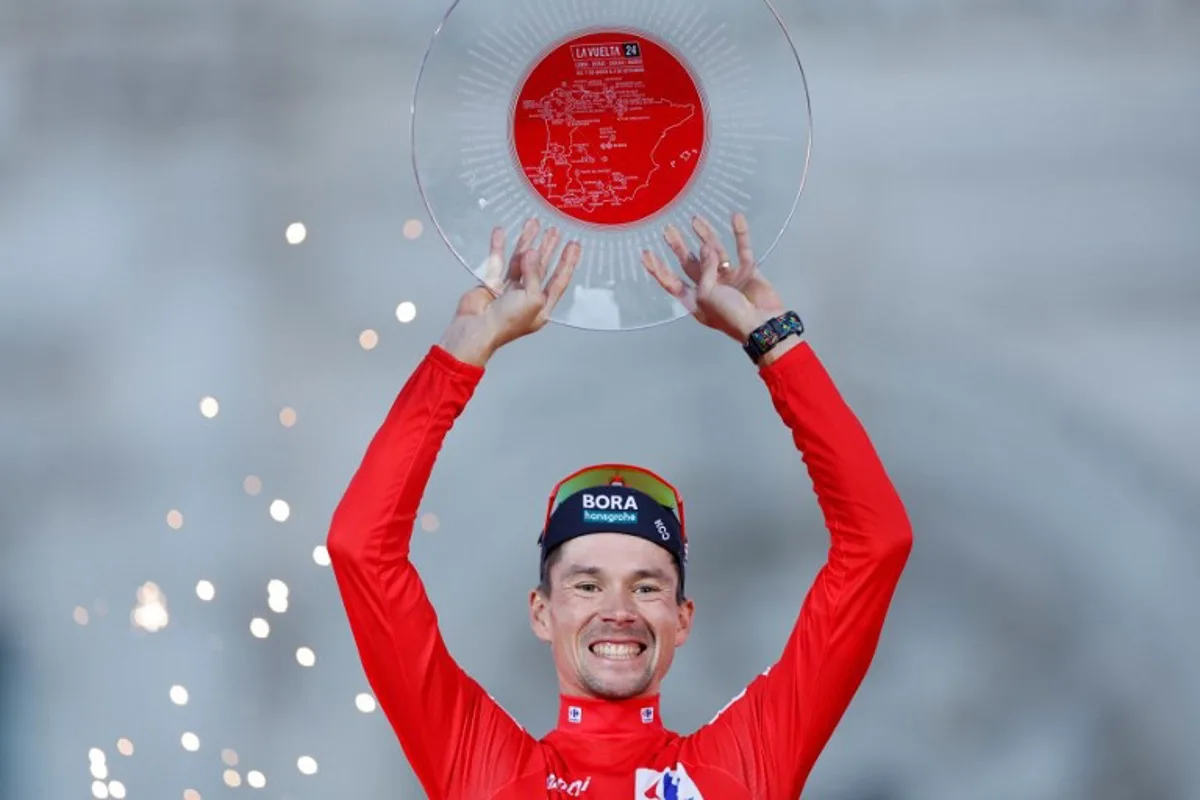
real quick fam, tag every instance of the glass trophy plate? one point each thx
(610, 119)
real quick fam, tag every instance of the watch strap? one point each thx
(763, 338)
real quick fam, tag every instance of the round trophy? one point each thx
(609, 120)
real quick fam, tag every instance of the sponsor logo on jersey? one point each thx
(570, 789)
(574, 714)
(648, 714)
(667, 784)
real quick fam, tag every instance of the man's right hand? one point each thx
(512, 302)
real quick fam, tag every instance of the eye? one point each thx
(647, 588)
(588, 587)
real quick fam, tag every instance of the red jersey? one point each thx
(463, 746)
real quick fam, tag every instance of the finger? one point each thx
(745, 252)
(493, 267)
(709, 236)
(546, 251)
(670, 281)
(530, 281)
(709, 261)
(666, 277)
(679, 247)
(528, 233)
(562, 274)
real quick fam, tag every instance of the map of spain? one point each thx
(608, 152)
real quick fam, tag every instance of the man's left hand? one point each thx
(732, 299)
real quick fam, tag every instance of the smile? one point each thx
(617, 651)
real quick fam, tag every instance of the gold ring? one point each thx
(724, 265)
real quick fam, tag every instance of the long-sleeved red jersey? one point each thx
(762, 746)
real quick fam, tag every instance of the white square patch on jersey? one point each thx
(667, 784)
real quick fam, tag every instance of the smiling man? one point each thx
(611, 602)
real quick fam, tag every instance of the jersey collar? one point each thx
(590, 716)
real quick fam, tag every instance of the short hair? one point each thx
(555, 555)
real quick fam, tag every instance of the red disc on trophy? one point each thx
(608, 127)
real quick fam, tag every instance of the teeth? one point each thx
(607, 650)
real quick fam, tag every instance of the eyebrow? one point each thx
(577, 570)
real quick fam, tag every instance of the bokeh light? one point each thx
(277, 596)
(174, 519)
(287, 417)
(179, 695)
(306, 657)
(406, 312)
(259, 628)
(80, 615)
(232, 778)
(321, 556)
(150, 613)
(296, 233)
(205, 590)
(280, 510)
(368, 339)
(364, 703)
(124, 747)
(307, 765)
(209, 407)
(252, 485)
(255, 779)
(190, 742)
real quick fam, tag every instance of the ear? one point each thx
(683, 622)
(539, 615)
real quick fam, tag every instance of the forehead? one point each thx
(615, 553)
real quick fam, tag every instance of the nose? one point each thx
(618, 609)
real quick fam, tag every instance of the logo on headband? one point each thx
(610, 509)
(610, 517)
(610, 502)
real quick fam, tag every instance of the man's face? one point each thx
(612, 619)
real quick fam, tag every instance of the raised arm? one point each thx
(439, 713)
(778, 727)
(771, 734)
(460, 743)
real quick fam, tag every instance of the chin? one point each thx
(618, 691)
(617, 687)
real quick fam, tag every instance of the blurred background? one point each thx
(216, 272)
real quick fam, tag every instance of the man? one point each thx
(611, 602)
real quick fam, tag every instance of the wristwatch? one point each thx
(771, 333)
